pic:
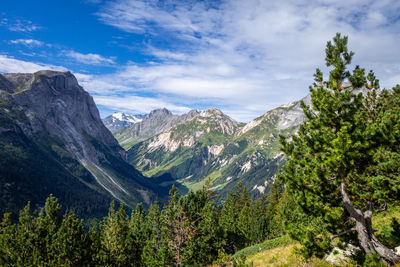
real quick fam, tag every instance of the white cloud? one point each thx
(133, 16)
(11, 65)
(245, 57)
(27, 42)
(25, 26)
(137, 104)
(254, 52)
(101, 84)
(89, 59)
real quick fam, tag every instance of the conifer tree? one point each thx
(234, 237)
(326, 170)
(138, 232)
(116, 246)
(71, 245)
(152, 253)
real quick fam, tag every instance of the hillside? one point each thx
(213, 146)
(53, 142)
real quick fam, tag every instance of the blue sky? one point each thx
(244, 57)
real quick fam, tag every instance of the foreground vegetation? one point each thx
(190, 230)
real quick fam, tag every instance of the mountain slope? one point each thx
(213, 146)
(120, 120)
(153, 123)
(53, 141)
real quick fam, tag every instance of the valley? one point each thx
(209, 145)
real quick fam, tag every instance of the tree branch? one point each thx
(343, 233)
(368, 213)
(353, 211)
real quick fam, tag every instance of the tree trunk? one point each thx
(368, 240)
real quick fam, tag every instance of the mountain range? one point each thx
(52, 141)
(209, 145)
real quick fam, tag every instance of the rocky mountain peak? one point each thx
(193, 112)
(161, 112)
(55, 103)
(212, 112)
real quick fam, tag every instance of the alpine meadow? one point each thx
(160, 150)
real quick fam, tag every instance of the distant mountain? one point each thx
(120, 120)
(213, 146)
(52, 140)
(152, 124)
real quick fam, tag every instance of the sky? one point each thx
(243, 57)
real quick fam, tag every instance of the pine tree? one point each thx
(234, 235)
(8, 248)
(115, 247)
(203, 246)
(326, 170)
(138, 234)
(178, 228)
(45, 230)
(71, 245)
(152, 253)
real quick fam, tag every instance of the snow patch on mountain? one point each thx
(127, 117)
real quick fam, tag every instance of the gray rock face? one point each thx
(397, 250)
(341, 256)
(55, 103)
(6, 85)
(154, 123)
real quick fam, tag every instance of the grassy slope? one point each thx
(280, 251)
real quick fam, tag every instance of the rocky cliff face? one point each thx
(154, 123)
(61, 120)
(120, 120)
(55, 103)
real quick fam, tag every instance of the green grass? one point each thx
(280, 251)
(269, 244)
(277, 252)
(199, 185)
(383, 222)
(166, 166)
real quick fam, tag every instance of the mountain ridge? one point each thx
(213, 146)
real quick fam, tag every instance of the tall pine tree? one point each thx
(328, 160)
